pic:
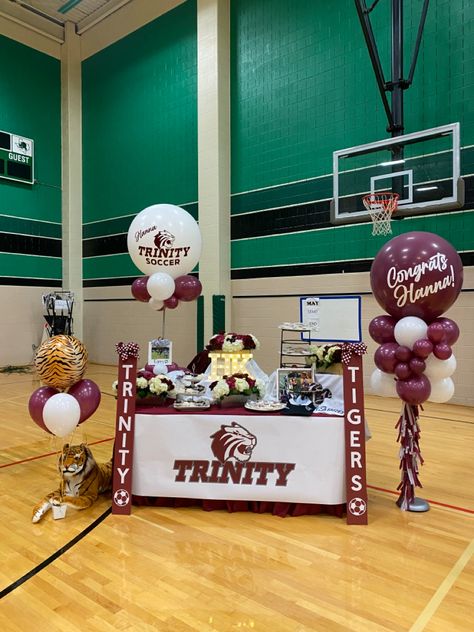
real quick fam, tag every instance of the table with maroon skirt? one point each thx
(238, 460)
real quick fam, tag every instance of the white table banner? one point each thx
(240, 457)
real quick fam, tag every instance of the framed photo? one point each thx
(294, 381)
(160, 351)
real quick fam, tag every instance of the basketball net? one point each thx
(380, 207)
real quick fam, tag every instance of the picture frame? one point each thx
(293, 380)
(160, 351)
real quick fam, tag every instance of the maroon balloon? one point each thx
(450, 328)
(442, 351)
(381, 328)
(36, 404)
(171, 303)
(415, 390)
(436, 332)
(187, 288)
(384, 357)
(402, 371)
(417, 366)
(139, 290)
(403, 354)
(416, 274)
(422, 348)
(88, 395)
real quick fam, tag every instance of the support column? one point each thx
(214, 156)
(71, 131)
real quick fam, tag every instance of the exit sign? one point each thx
(16, 158)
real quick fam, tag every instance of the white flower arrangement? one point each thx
(324, 356)
(156, 385)
(237, 384)
(161, 384)
(233, 343)
(229, 345)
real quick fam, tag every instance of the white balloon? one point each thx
(155, 304)
(438, 369)
(410, 329)
(441, 390)
(61, 414)
(160, 286)
(383, 384)
(164, 237)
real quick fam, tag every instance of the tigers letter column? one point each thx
(124, 428)
(354, 432)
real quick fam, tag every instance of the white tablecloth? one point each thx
(288, 459)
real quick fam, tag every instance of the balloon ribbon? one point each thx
(410, 455)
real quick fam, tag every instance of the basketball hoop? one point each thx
(380, 207)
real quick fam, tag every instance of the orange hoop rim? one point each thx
(386, 200)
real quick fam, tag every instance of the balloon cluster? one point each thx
(415, 277)
(418, 354)
(61, 362)
(155, 289)
(165, 237)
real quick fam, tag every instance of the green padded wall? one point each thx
(303, 87)
(139, 135)
(30, 215)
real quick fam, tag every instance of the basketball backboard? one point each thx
(422, 167)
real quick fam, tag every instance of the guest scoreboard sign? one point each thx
(16, 158)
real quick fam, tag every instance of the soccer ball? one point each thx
(357, 506)
(121, 497)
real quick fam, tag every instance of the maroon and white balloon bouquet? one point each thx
(164, 242)
(416, 277)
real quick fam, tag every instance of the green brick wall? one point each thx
(139, 129)
(30, 215)
(303, 87)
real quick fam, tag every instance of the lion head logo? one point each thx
(233, 442)
(164, 239)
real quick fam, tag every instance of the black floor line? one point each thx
(55, 555)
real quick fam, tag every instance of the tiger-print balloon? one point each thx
(61, 361)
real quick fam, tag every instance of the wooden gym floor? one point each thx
(181, 570)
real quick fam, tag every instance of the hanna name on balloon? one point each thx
(404, 294)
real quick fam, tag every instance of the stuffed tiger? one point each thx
(82, 477)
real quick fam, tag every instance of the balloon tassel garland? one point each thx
(410, 455)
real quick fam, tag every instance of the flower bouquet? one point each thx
(231, 343)
(325, 358)
(152, 390)
(236, 389)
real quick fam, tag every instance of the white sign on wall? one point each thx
(332, 318)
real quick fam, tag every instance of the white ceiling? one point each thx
(49, 16)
